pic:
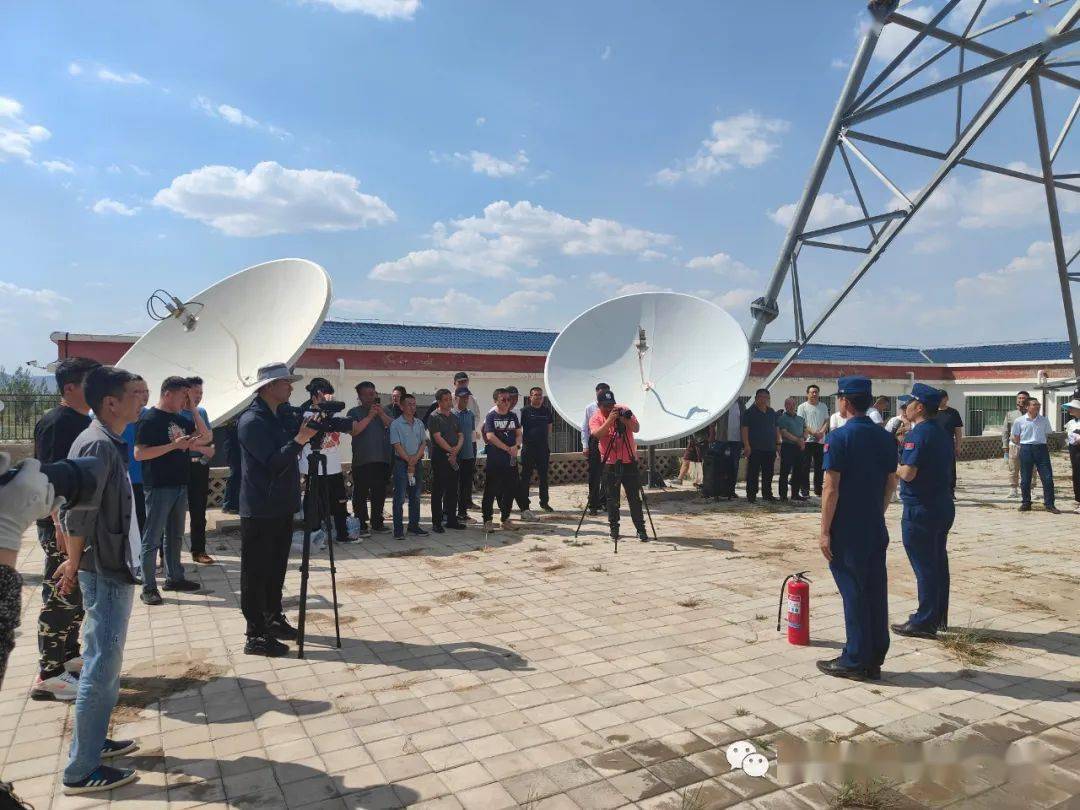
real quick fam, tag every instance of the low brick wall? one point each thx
(565, 468)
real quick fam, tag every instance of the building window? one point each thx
(986, 412)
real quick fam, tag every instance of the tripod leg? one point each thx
(327, 527)
(648, 512)
(304, 560)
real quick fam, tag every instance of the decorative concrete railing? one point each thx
(572, 468)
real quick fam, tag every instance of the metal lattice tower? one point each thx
(864, 100)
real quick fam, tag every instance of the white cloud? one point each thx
(934, 243)
(605, 53)
(603, 280)
(272, 199)
(721, 264)
(458, 306)
(747, 140)
(736, 301)
(17, 138)
(48, 301)
(236, 116)
(107, 74)
(107, 206)
(829, 209)
(359, 307)
(481, 121)
(639, 287)
(129, 77)
(485, 163)
(543, 282)
(61, 166)
(381, 9)
(839, 64)
(652, 256)
(510, 237)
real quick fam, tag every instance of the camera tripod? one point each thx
(318, 513)
(620, 435)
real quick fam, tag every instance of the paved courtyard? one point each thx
(531, 669)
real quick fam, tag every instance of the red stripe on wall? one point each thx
(375, 360)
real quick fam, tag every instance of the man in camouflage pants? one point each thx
(61, 616)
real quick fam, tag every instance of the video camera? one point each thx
(76, 479)
(324, 420)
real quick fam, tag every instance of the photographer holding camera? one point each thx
(322, 391)
(269, 497)
(613, 426)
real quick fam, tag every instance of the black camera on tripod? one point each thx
(324, 420)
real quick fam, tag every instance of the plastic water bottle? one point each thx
(412, 480)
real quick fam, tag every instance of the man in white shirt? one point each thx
(876, 411)
(1030, 432)
(1072, 434)
(816, 415)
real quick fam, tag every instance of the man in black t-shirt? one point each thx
(761, 442)
(537, 423)
(61, 616)
(950, 421)
(163, 439)
(502, 433)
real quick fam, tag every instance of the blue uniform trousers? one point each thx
(861, 577)
(926, 533)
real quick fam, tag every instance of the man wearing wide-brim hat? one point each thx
(269, 497)
(1072, 434)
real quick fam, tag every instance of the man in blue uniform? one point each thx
(926, 462)
(860, 478)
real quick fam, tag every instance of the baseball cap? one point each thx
(463, 392)
(605, 398)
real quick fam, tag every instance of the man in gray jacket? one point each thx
(103, 547)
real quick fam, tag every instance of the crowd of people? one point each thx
(155, 479)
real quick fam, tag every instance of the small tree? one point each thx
(21, 382)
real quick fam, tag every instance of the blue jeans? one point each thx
(403, 490)
(108, 608)
(1036, 457)
(166, 510)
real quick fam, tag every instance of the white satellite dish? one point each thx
(677, 361)
(265, 314)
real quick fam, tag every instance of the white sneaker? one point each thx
(59, 687)
(1013, 493)
(74, 665)
(528, 514)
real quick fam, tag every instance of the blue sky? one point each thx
(492, 163)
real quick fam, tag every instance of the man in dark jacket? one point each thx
(269, 497)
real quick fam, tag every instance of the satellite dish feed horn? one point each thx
(268, 313)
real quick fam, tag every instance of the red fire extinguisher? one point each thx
(798, 608)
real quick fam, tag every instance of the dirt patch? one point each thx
(406, 552)
(328, 618)
(450, 597)
(549, 569)
(150, 682)
(420, 610)
(364, 584)
(492, 579)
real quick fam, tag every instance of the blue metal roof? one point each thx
(354, 333)
(831, 353)
(364, 333)
(1036, 351)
